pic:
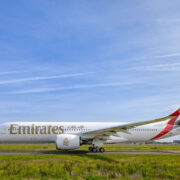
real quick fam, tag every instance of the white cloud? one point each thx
(159, 67)
(13, 81)
(168, 55)
(72, 87)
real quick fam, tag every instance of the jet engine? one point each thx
(67, 141)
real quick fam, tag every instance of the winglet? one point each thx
(176, 113)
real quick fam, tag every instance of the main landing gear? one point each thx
(96, 149)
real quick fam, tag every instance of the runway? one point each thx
(80, 152)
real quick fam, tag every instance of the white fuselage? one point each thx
(46, 132)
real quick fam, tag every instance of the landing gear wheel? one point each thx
(94, 150)
(101, 150)
(90, 148)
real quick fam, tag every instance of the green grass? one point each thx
(5, 147)
(90, 167)
(29, 147)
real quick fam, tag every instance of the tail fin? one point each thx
(174, 118)
(176, 113)
(170, 124)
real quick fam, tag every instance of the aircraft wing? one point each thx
(123, 128)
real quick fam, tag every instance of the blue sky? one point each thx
(89, 60)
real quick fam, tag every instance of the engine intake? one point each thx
(67, 141)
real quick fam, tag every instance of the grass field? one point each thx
(91, 167)
(30, 147)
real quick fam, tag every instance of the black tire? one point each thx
(90, 148)
(94, 150)
(101, 150)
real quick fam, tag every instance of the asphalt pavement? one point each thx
(78, 152)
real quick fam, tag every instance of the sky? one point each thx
(107, 61)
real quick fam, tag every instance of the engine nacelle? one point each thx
(67, 141)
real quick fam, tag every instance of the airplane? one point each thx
(71, 135)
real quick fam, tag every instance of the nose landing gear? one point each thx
(96, 149)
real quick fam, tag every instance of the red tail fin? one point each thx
(169, 125)
(176, 113)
